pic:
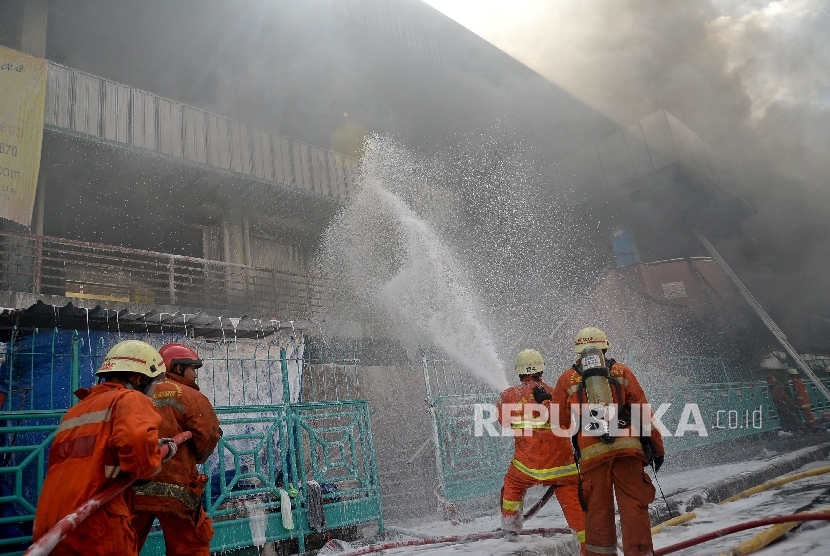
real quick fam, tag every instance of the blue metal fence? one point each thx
(273, 440)
(471, 466)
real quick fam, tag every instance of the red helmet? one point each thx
(179, 354)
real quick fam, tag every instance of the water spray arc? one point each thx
(398, 270)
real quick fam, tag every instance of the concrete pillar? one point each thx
(246, 240)
(40, 204)
(226, 242)
(233, 248)
(233, 239)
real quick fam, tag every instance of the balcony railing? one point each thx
(78, 269)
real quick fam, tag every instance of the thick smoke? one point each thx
(751, 77)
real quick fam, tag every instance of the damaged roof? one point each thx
(43, 316)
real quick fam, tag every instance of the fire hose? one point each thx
(542, 501)
(62, 528)
(451, 539)
(741, 527)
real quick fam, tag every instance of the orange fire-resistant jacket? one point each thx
(801, 395)
(178, 488)
(802, 400)
(542, 455)
(111, 431)
(592, 450)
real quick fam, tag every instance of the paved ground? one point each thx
(692, 481)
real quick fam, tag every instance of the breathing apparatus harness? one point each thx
(593, 368)
(598, 372)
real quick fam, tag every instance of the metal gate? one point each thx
(469, 466)
(274, 439)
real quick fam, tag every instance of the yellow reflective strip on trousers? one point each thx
(620, 443)
(580, 535)
(510, 505)
(86, 419)
(530, 425)
(546, 474)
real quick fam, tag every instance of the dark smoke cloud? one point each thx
(751, 77)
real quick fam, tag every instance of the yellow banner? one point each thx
(22, 103)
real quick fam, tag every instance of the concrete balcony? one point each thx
(81, 104)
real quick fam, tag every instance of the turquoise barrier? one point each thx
(271, 440)
(471, 466)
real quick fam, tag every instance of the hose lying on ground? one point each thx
(451, 539)
(62, 528)
(776, 482)
(542, 501)
(744, 494)
(741, 527)
(673, 521)
(764, 538)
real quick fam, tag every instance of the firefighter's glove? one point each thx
(649, 449)
(171, 448)
(657, 462)
(540, 394)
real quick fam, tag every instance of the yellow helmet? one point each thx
(133, 356)
(529, 362)
(590, 336)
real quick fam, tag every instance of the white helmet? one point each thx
(133, 356)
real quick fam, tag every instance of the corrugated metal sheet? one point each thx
(82, 102)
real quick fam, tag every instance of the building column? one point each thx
(40, 204)
(246, 241)
(233, 239)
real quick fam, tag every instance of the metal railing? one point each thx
(271, 439)
(101, 109)
(79, 269)
(471, 466)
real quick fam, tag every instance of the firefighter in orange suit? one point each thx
(787, 414)
(802, 398)
(112, 431)
(609, 465)
(540, 457)
(174, 496)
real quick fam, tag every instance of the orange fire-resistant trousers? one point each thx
(516, 485)
(181, 537)
(625, 477)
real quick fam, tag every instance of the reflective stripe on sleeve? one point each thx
(580, 535)
(86, 419)
(546, 474)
